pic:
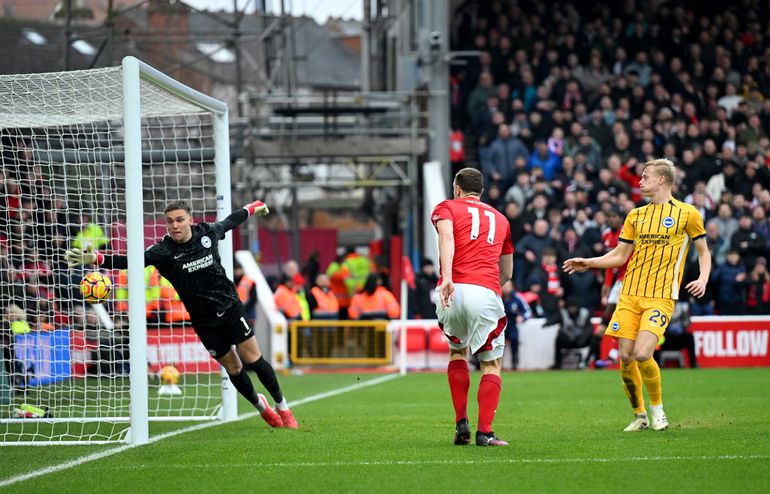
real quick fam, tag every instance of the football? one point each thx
(95, 287)
(169, 375)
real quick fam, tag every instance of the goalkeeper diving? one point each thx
(188, 258)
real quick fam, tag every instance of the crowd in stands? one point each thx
(565, 101)
(562, 104)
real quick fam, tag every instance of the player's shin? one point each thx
(651, 375)
(267, 377)
(489, 397)
(459, 384)
(243, 384)
(632, 385)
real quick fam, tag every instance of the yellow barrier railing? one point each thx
(340, 342)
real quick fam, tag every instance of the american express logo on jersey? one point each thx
(197, 264)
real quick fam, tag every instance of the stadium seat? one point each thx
(437, 341)
(415, 339)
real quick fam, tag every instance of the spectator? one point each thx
(575, 330)
(544, 159)
(746, 241)
(247, 291)
(516, 222)
(322, 302)
(517, 311)
(338, 275)
(522, 191)
(718, 245)
(758, 289)
(312, 266)
(503, 152)
(529, 250)
(549, 277)
(374, 301)
(290, 299)
(425, 286)
(725, 221)
(677, 336)
(729, 279)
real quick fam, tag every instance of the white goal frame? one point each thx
(134, 73)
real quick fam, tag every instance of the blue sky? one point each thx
(319, 9)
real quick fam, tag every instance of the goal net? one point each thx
(92, 158)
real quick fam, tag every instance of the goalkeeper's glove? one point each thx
(257, 208)
(76, 257)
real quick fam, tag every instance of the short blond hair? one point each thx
(665, 168)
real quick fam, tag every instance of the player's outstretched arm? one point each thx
(76, 257)
(256, 208)
(614, 258)
(89, 257)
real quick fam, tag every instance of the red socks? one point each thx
(489, 397)
(459, 384)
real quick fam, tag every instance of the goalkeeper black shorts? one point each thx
(220, 337)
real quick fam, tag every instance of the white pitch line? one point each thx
(160, 437)
(476, 461)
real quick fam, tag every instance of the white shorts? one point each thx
(614, 294)
(476, 319)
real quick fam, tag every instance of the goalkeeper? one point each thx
(188, 258)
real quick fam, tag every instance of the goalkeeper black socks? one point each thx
(243, 384)
(267, 377)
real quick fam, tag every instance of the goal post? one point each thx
(107, 147)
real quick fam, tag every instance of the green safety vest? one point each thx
(359, 268)
(304, 306)
(20, 327)
(151, 292)
(92, 235)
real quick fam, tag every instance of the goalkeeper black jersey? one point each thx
(195, 270)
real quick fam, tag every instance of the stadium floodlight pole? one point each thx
(132, 128)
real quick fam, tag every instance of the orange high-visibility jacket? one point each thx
(287, 302)
(244, 288)
(382, 301)
(327, 303)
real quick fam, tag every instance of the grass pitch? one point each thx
(565, 430)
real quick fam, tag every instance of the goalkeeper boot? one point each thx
(488, 439)
(659, 420)
(462, 433)
(288, 419)
(640, 423)
(268, 414)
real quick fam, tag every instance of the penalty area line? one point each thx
(120, 449)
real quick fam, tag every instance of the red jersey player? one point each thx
(475, 260)
(613, 277)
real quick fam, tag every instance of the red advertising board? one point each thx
(732, 341)
(178, 346)
(181, 348)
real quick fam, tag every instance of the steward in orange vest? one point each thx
(290, 299)
(247, 291)
(322, 301)
(374, 301)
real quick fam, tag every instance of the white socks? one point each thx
(282, 405)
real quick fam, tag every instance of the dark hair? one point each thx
(470, 180)
(371, 284)
(177, 205)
